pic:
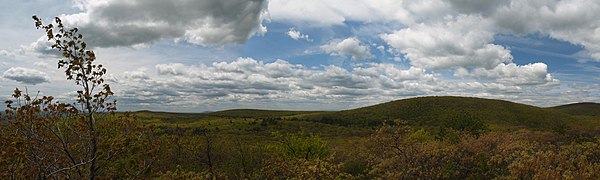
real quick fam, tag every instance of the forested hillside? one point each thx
(580, 109)
(433, 111)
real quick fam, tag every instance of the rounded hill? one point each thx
(429, 111)
(583, 109)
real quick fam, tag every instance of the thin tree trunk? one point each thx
(94, 145)
(208, 153)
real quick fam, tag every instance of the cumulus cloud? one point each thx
(381, 49)
(348, 47)
(574, 21)
(173, 69)
(25, 75)
(6, 53)
(338, 12)
(247, 80)
(307, 12)
(485, 8)
(296, 35)
(109, 23)
(529, 74)
(464, 41)
(452, 37)
(136, 75)
(42, 64)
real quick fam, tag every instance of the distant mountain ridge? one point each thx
(421, 111)
(430, 110)
(258, 113)
(582, 109)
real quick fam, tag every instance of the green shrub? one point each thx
(302, 146)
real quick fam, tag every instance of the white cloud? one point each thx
(464, 41)
(451, 37)
(348, 47)
(135, 75)
(41, 64)
(252, 82)
(296, 35)
(307, 12)
(6, 53)
(483, 89)
(529, 74)
(393, 73)
(381, 49)
(574, 21)
(173, 69)
(25, 75)
(110, 23)
(338, 12)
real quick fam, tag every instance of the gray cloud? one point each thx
(247, 80)
(25, 75)
(141, 22)
(485, 8)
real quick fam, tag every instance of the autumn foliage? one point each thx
(521, 154)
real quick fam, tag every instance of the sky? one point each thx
(196, 56)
